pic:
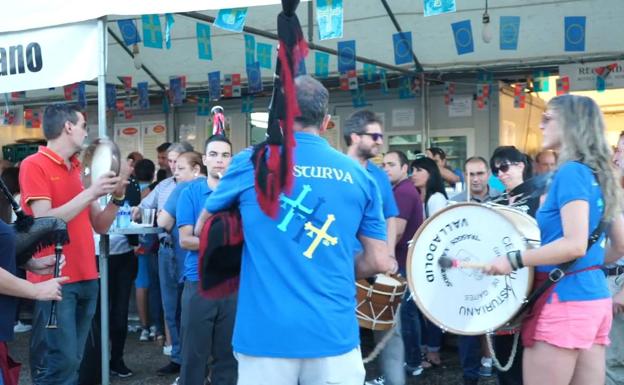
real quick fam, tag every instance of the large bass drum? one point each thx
(467, 301)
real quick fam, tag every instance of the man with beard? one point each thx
(364, 135)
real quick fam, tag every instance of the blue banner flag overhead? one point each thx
(540, 81)
(329, 16)
(168, 28)
(574, 33)
(357, 98)
(509, 32)
(370, 72)
(81, 95)
(203, 106)
(462, 31)
(321, 64)
(129, 31)
(346, 56)
(175, 86)
(250, 49)
(254, 78)
(111, 96)
(143, 95)
(264, 54)
(204, 46)
(214, 85)
(247, 103)
(436, 7)
(383, 81)
(402, 47)
(231, 19)
(152, 32)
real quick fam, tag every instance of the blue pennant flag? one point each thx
(168, 28)
(321, 65)
(254, 78)
(231, 19)
(250, 49)
(509, 32)
(329, 16)
(264, 54)
(462, 31)
(152, 33)
(405, 88)
(383, 81)
(402, 47)
(574, 33)
(203, 106)
(247, 104)
(142, 89)
(484, 77)
(204, 46)
(129, 31)
(175, 86)
(111, 96)
(370, 72)
(214, 85)
(302, 70)
(81, 95)
(346, 56)
(540, 81)
(436, 7)
(357, 97)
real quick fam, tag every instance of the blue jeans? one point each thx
(168, 275)
(431, 336)
(470, 355)
(392, 356)
(55, 354)
(154, 298)
(410, 329)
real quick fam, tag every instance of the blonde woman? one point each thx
(567, 343)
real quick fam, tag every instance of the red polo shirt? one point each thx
(44, 175)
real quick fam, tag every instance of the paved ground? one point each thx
(144, 358)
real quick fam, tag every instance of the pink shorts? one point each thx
(575, 324)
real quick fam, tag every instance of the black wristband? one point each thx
(515, 258)
(117, 202)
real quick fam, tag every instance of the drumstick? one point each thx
(447, 262)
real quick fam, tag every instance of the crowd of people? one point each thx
(292, 319)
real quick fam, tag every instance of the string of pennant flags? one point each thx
(156, 33)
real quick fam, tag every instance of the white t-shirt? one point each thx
(435, 203)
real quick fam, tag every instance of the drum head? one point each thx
(100, 157)
(466, 301)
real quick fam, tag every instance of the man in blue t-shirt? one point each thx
(363, 133)
(295, 322)
(206, 324)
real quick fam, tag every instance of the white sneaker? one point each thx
(176, 382)
(145, 335)
(377, 381)
(21, 327)
(167, 350)
(152, 332)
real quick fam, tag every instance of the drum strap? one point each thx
(556, 274)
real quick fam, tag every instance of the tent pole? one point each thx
(103, 50)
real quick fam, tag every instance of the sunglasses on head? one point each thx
(504, 167)
(375, 136)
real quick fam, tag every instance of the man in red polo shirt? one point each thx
(51, 185)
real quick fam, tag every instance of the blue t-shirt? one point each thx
(297, 290)
(170, 207)
(190, 204)
(390, 208)
(575, 181)
(8, 305)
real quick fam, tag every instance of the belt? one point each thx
(611, 271)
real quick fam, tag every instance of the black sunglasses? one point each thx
(374, 136)
(504, 167)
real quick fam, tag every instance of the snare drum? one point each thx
(467, 301)
(377, 304)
